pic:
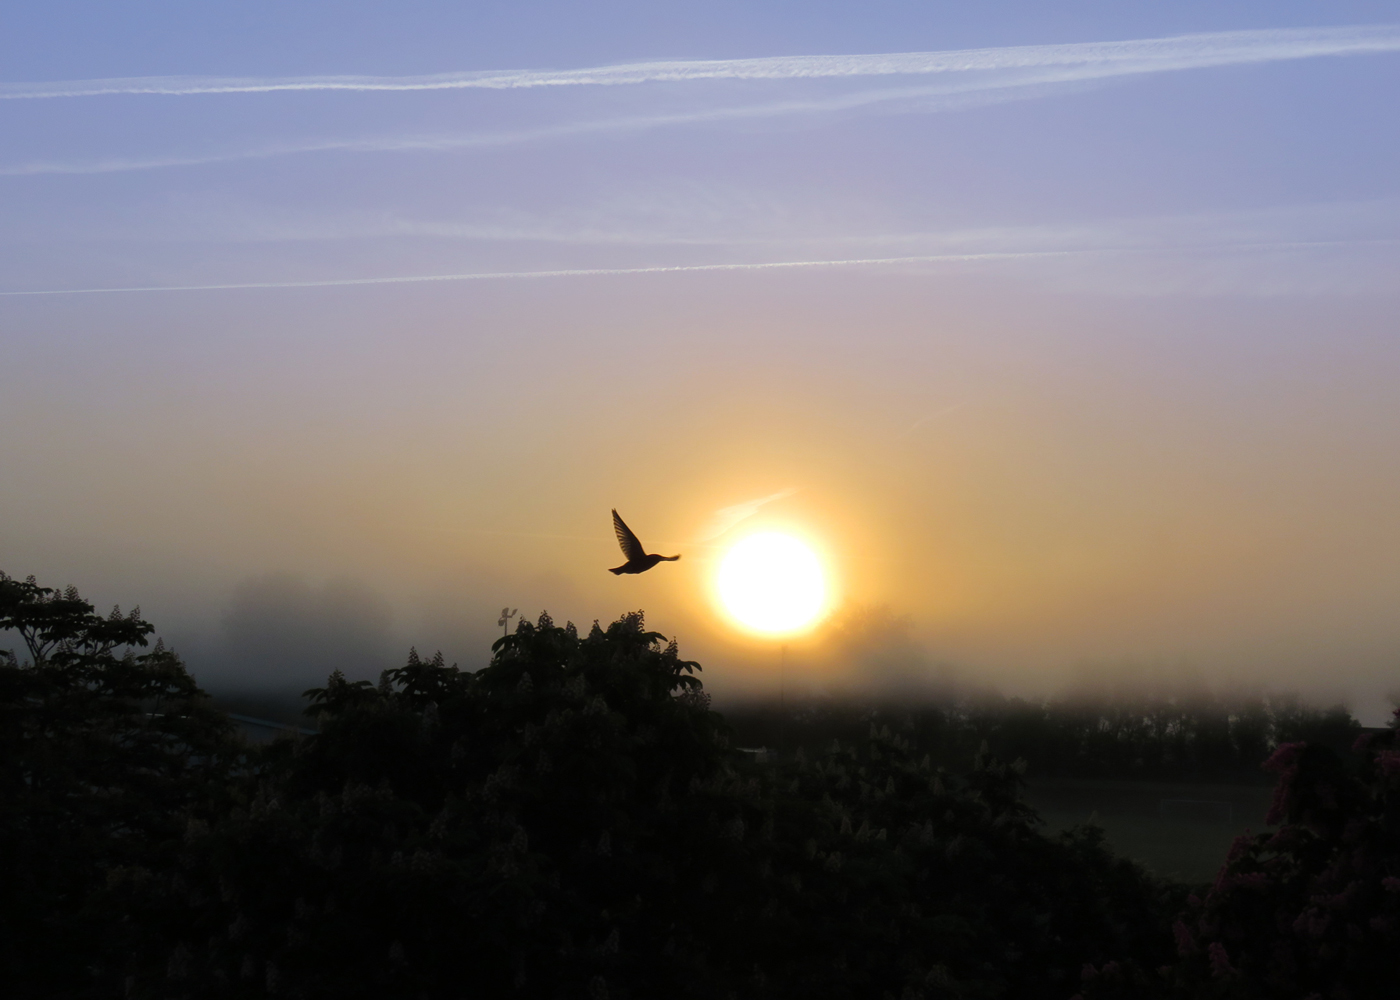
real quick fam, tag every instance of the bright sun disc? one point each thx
(772, 583)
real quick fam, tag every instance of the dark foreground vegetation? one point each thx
(1195, 737)
(573, 821)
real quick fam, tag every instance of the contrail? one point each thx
(727, 517)
(1036, 67)
(947, 258)
(932, 416)
(949, 96)
(1147, 55)
(567, 273)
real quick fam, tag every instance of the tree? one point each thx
(571, 822)
(103, 752)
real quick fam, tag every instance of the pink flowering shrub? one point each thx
(1312, 910)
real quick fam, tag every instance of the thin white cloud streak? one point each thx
(1132, 56)
(1026, 72)
(564, 273)
(737, 221)
(691, 268)
(930, 417)
(926, 98)
(727, 517)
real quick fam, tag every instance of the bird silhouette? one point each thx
(639, 560)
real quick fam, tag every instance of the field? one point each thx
(1182, 831)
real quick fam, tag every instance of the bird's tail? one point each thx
(670, 558)
(616, 570)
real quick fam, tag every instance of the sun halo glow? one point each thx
(772, 583)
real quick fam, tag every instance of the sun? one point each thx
(772, 583)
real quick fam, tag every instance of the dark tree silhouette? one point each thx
(572, 822)
(105, 754)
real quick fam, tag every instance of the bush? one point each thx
(1313, 909)
(571, 822)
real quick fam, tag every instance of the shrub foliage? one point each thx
(572, 822)
(1314, 908)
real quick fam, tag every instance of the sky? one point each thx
(1065, 333)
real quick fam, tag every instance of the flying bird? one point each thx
(639, 560)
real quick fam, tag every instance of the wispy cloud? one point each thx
(510, 275)
(984, 76)
(927, 418)
(783, 224)
(727, 517)
(1113, 58)
(925, 99)
(954, 258)
(563, 273)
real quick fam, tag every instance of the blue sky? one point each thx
(330, 184)
(1071, 329)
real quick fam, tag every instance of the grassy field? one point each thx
(1182, 831)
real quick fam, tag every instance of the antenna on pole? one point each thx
(506, 615)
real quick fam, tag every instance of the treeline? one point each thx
(1167, 738)
(573, 821)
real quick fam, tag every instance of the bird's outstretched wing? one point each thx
(631, 548)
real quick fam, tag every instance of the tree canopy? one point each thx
(572, 821)
(105, 748)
